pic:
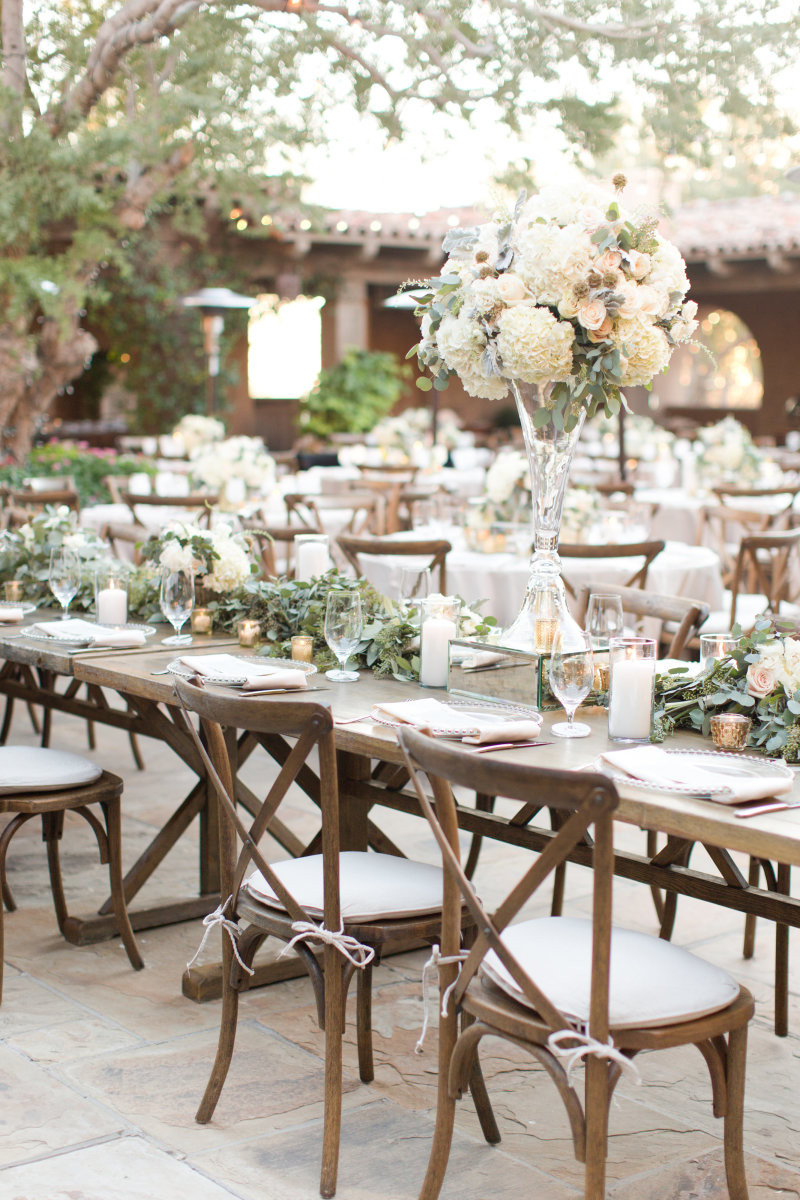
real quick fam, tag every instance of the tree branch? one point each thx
(13, 74)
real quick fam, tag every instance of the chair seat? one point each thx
(749, 605)
(38, 769)
(652, 981)
(372, 887)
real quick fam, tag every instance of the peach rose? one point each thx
(510, 288)
(761, 680)
(604, 331)
(609, 261)
(592, 314)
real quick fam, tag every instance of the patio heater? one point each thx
(213, 303)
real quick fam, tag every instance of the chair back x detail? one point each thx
(646, 551)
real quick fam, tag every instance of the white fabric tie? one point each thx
(353, 950)
(437, 960)
(588, 1045)
(217, 917)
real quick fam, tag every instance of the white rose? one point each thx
(639, 264)
(630, 298)
(590, 217)
(653, 302)
(175, 557)
(511, 288)
(592, 314)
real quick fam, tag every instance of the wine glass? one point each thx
(177, 602)
(571, 677)
(604, 619)
(415, 584)
(64, 577)
(343, 624)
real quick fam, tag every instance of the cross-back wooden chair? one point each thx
(680, 618)
(125, 541)
(352, 512)
(784, 498)
(431, 551)
(268, 538)
(198, 504)
(764, 579)
(33, 500)
(376, 901)
(646, 551)
(568, 988)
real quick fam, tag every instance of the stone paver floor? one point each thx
(101, 1068)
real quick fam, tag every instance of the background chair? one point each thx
(765, 578)
(33, 500)
(380, 900)
(46, 784)
(680, 618)
(432, 552)
(270, 538)
(646, 551)
(196, 506)
(553, 985)
(349, 512)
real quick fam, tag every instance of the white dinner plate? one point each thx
(74, 640)
(722, 764)
(176, 667)
(488, 713)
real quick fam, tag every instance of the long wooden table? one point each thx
(371, 778)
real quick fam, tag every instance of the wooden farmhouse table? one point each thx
(372, 777)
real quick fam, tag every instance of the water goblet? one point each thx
(571, 676)
(343, 625)
(415, 584)
(177, 602)
(64, 577)
(604, 619)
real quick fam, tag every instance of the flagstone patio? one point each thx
(101, 1068)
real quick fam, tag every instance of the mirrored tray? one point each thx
(740, 765)
(176, 667)
(489, 712)
(77, 640)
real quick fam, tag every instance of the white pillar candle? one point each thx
(112, 605)
(437, 633)
(311, 559)
(630, 707)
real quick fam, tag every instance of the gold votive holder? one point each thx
(729, 730)
(248, 632)
(302, 647)
(202, 620)
(12, 591)
(544, 630)
(602, 676)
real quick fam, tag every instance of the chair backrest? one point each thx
(203, 502)
(646, 551)
(784, 497)
(267, 537)
(583, 802)
(125, 541)
(310, 726)
(34, 499)
(362, 511)
(764, 566)
(722, 526)
(435, 551)
(680, 617)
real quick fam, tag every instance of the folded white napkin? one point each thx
(98, 635)
(260, 677)
(8, 614)
(473, 727)
(653, 765)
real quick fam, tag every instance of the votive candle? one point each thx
(302, 647)
(248, 632)
(202, 620)
(12, 591)
(111, 603)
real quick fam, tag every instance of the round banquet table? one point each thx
(500, 579)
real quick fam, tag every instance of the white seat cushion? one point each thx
(37, 769)
(652, 982)
(371, 886)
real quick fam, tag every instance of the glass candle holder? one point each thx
(111, 596)
(248, 632)
(12, 591)
(729, 731)
(715, 647)
(439, 616)
(302, 647)
(632, 663)
(312, 556)
(202, 620)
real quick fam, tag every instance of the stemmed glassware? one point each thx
(343, 625)
(177, 602)
(604, 619)
(415, 584)
(64, 577)
(571, 677)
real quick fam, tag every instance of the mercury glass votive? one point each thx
(729, 730)
(202, 620)
(302, 647)
(12, 591)
(248, 633)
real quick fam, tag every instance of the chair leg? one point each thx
(445, 1109)
(782, 960)
(47, 726)
(334, 1029)
(227, 1036)
(136, 751)
(8, 716)
(113, 815)
(2, 949)
(483, 1105)
(90, 736)
(366, 1065)
(656, 893)
(749, 947)
(596, 1111)
(482, 804)
(52, 829)
(734, 1115)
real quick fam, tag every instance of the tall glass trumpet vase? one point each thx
(550, 452)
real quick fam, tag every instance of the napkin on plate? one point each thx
(473, 727)
(8, 614)
(97, 635)
(653, 765)
(258, 677)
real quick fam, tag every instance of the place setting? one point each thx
(250, 674)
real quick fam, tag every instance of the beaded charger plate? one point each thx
(488, 713)
(74, 639)
(744, 767)
(178, 667)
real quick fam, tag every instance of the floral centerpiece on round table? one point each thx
(726, 453)
(242, 458)
(195, 430)
(563, 302)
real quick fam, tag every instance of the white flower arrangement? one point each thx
(727, 452)
(244, 458)
(194, 430)
(507, 498)
(413, 427)
(220, 559)
(567, 290)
